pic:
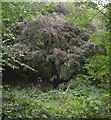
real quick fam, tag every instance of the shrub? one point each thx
(50, 42)
(81, 102)
(98, 70)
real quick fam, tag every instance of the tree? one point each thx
(51, 40)
(46, 41)
(98, 66)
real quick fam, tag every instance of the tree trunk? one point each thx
(55, 75)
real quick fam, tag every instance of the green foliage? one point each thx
(82, 15)
(98, 69)
(101, 37)
(81, 102)
(60, 48)
(14, 12)
(65, 47)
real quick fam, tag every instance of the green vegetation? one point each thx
(56, 60)
(84, 101)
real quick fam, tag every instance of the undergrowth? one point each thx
(81, 102)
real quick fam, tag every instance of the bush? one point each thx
(81, 102)
(98, 70)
